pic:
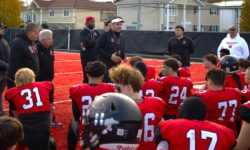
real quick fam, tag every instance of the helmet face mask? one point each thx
(112, 118)
(230, 64)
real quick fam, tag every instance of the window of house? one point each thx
(214, 28)
(195, 28)
(51, 13)
(107, 15)
(195, 10)
(65, 13)
(173, 10)
(214, 11)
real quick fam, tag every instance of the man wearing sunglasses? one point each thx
(235, 44)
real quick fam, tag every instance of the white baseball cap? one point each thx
(116, 20)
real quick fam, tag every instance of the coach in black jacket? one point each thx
(110, 46)
(46, 56)
(4, 59)
(88, 37)
(24, 53)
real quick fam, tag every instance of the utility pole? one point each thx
(184, 13)
(139, 15)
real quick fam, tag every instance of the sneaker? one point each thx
(56, 124)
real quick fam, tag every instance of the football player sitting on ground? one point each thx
(182, 71)
(231, 66)
(11, 132)
(210, 61)
(129, 81)
(243, 65)
(150, 87)
(243, 138)
(192, 132)
(150, 69)
(113, 122)
(83, 95)
(224, 52)
(32, 103)
(175, 88)
(222, 103)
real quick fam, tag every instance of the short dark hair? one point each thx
(11, 132)
(212, 58)
(177, 57)
(95, 69)
(141, 67)
(193, 108)
(172, 63)
(243, 63)
(217, 76)
(225, 51)
(30, 27)
(106, 23)
(180, 27)
(135, 59)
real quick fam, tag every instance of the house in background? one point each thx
(164, 15)
(68, 13)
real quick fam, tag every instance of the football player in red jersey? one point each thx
(150, 87)
(192, 132)
(210, 61)
(84, 94)
(246, 92)
(11, 132)
(231, 66)
(150, 69)
(175, 89)
(113, 122)
(129, 82)
(32, 103)
(182, 71)
(243, 138)
(222, 103)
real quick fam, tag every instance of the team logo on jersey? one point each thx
(32, 49)
(112, 40)
(184, 42)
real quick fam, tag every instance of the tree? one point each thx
(245, 16)
(10, 12)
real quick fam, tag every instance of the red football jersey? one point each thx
(85, 94)
(152, 109)
(175, 90)
(184, 72)
(150, 72)
(222, 106)
(230, 82)
(246, 94)
(31, 98)
(151, 88)
(183, 134)
(245, 111)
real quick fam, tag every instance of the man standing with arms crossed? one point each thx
(181, 45)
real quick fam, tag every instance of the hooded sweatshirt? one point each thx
(23, 54)
(237, 46)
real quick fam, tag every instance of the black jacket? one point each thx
(88, 38)
(23, 54)
(46, 63)
(108, 44)
(183, 47)
(4, 55)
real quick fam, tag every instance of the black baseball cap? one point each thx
(2, 25)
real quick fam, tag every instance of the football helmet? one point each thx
(113, 121)
(229, 63)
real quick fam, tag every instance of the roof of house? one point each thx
(87, 4)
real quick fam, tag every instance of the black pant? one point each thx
(36, 140)
(2, 85)
(84, 62)
(72, 136)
